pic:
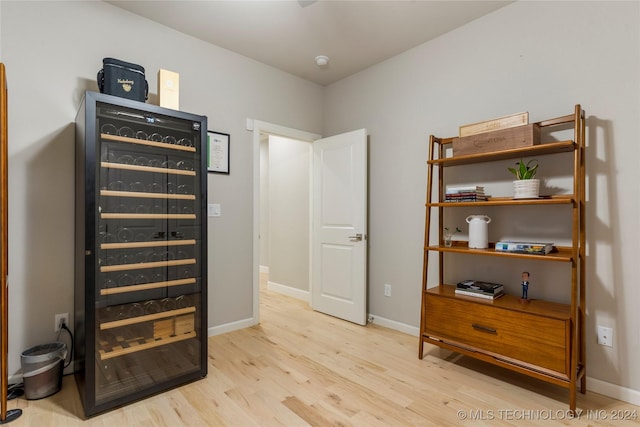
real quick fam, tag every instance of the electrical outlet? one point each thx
(387, 290)
(59, 320)
(605, 336)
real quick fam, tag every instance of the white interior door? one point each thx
(339, 226)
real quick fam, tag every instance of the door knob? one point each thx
(356, 238)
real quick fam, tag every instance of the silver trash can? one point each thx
(42, 368)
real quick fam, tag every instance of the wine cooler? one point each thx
(141, 250)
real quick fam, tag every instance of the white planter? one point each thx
(526, 189)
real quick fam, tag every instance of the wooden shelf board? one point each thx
(149, 343)
(563, 253)
(514, 153)
(111, 165)
(150, 244)
(147, 286)
(140, 265)
(145, 195)
(117, 138)
(564, 199)
(510, 302)
(115, 215)
(146, 318)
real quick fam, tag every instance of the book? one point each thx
(460, 194)
(465, 189)
(465, 198)
(483, 295)
(480, 287)
(463, 195)
(524, 247)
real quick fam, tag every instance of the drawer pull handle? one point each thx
(483, 328)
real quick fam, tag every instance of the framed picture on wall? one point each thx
(218, 152)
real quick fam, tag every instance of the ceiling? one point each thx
(289, 34)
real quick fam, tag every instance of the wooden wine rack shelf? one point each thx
(140, 168)
(151, 244)
(139, 344)
(144, 195)
(145, 318)
(146, 216)
(146, 286)
(116, 138)
(140, 265)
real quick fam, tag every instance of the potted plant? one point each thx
(526, 186)
(448, 235)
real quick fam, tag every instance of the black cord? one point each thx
(64, 326)
(15, 390)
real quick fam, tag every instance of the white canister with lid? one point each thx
(478, 231)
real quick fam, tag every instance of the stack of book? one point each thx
(524, 247)
(471, 193)
(479, 289)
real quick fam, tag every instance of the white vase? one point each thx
(526, 189)
(478, 231)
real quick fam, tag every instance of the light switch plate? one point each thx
(213, 209)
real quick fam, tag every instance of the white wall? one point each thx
(289, 198)
(541, 57)
(52, 51)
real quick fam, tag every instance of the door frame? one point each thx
(260, 127)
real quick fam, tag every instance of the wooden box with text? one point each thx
(503, 139)
(494, 124)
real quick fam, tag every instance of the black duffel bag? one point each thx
(123, 79)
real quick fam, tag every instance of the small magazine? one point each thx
(524, 247)
(465, 189)
(479, 286)
(483, 295)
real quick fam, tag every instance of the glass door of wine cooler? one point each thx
(147, 281)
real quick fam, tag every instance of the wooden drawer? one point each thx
(530, 338)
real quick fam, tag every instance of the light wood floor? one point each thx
(299, 368)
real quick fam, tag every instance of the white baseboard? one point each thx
(289, 291)
(233, 326)
(396, 326)
(614, 391)
(594, 385)
(264, 269)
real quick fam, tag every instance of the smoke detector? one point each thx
(322, 61)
